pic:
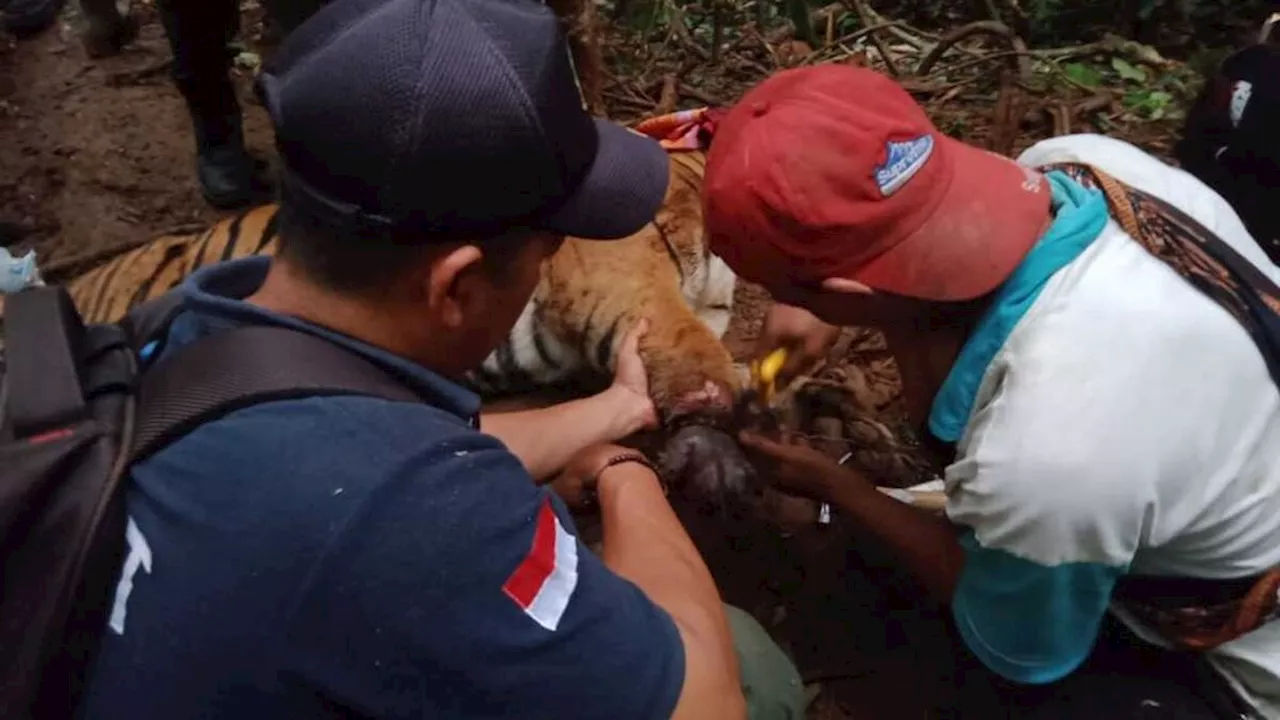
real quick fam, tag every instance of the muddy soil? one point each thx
(97, 154)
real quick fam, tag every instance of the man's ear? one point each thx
(454, 284)
(846, 286)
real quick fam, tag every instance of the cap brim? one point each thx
(993, 212)
(622, 191)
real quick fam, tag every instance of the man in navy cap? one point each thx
(357, 557)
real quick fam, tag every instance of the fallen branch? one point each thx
(1005, 121)
(1110, 45)
(669, 97)
(578, 19)
(681, 31)
(906, 32)
(702, 97)
(1061, 116)
(864, 14)
(817, 16)
(825, 53)
(639, 106)
(980, 60)
(1021, 20)
(982, 27)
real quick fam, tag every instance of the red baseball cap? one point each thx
(836, 171)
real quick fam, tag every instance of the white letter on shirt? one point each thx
(139, 556)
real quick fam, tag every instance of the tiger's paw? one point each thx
(709, 468)
(710, 399)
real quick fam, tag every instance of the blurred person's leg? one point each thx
(199, 33)
(107, 30)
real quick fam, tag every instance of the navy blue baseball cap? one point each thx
(457, 118)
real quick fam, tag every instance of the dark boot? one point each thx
(229, 176)
(199, 32)
(24, 18)
(107, 31)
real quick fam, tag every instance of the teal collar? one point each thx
(1080, 215)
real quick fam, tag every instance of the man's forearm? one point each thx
(925, 542)
(645, 543)
(545, 439)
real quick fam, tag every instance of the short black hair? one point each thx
(352, 262)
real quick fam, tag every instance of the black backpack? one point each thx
(75, 413)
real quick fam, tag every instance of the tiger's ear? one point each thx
(455, 283)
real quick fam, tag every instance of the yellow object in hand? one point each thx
(764, 373)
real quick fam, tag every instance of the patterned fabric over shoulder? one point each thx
(1199, 619)
(1197, 254)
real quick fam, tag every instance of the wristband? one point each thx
(590, 495)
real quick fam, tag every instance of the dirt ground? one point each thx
(98, 155)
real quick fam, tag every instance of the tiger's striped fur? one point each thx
(107, 292)
(589, 295)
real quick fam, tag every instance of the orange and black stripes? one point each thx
(110, 290)
(570, 327)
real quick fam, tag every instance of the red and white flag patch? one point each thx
(543, 582)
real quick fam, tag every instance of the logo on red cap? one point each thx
(904, 159)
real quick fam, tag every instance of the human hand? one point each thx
(576, 484)
(806, 339)
(792, 465)
(635, 410)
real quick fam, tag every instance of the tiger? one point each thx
(569, 333)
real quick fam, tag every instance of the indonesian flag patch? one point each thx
(544, 581)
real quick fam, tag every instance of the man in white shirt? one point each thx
(1106, 420)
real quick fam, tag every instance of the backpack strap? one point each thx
(235, 369)
(52, 395)
(1197, 613)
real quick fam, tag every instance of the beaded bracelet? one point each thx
(590, 496)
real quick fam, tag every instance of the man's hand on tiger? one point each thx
(606, 417)
(630, 388)
(791, 465)
(806, 339)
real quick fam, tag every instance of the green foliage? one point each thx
(847, 23)
(1145, 93)
(1127, 71)
(1150, 104)
(957, 127)
(1042, 13)
(1083, 74)
(1211, 22)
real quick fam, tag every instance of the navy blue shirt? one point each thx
(332, 556)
